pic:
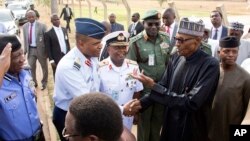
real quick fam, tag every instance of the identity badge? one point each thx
(66, 37)
(151, 59)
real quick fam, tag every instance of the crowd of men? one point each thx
(177, 81)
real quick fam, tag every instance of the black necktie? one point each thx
(215, 35)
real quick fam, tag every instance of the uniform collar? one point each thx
(145, 35)
(111, 65)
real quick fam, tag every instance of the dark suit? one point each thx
(67, 17)
(138, 29)
(116, 27)
(53, 46)
(224, 32)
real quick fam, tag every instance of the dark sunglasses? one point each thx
(150, 24)
(182, 40)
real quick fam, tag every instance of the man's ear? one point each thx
(93, 138)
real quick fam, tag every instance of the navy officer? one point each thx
(114, 73)
(77, 71)
(18, 110)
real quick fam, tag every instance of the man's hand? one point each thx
(5, 57)
(132, 107)
(143, 78)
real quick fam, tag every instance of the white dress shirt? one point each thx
(219, 32)
(61, 38)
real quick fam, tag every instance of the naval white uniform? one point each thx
(116, 83)
(75, 75)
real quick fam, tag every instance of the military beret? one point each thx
(117, 38)
(151, 14)
(229, 42)
(236, 26)
(90, 28)
(13, 39)
(194, 28)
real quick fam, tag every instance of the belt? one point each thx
(32, 46)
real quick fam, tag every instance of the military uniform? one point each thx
(151, 57)
(118, 84)
(76, 74)
(18, 108)
(75, 77)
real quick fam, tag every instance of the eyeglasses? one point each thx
(182, 40)
(150, 24)
(67, 136)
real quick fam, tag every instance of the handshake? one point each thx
(132, 107)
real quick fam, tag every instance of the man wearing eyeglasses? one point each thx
(186, 89)
(150, 49)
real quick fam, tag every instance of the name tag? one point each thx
(151, 59)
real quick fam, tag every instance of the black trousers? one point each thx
(58, 120)
(68, 24)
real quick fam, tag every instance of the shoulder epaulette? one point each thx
(131, 62)
(7, 77)
(135, 38)
(77, 64)
(103, 63)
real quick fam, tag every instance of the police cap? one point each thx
(13, 39)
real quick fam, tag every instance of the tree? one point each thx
(54, 6)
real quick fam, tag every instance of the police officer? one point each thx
(114, 73)
(150, 49)
(77, 71)
(19, 116)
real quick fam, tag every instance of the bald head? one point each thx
(31, 16)
(168, 16)
(112, 18)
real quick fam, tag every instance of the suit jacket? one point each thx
(138, 28)
(64, 13)
(223, 34)
(39, 34)
(117, 27)
(53, 46)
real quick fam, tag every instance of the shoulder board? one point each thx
(7, 77)
(77, 64)
(103, 63)
(137, 37)
(205, 44)
(131, 62)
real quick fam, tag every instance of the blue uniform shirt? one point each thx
(18, 112)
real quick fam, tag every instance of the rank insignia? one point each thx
(77, 65)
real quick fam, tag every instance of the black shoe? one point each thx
(43, 87)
